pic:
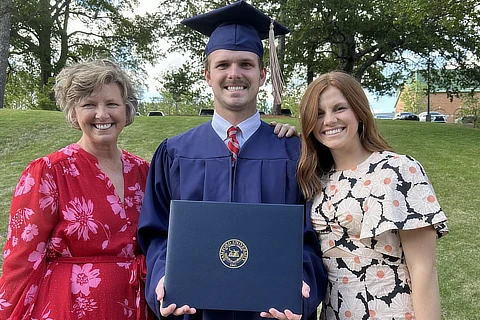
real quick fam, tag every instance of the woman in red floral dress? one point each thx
(71, 250)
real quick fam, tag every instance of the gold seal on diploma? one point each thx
(233, 253)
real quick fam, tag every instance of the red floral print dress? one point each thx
(71, 250)
(360, 212)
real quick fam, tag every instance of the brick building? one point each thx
(439, 100)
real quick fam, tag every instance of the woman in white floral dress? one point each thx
(375, 211)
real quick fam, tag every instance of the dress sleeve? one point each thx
(33, 215)
(401, 198)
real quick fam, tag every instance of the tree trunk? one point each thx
(5, 20)
(44, 43)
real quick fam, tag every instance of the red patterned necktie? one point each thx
(232, 144)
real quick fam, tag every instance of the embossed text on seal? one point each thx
(233, 253)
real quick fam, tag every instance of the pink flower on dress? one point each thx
(127, 165)
(116, 206)
(127, 310)
(127, 252)
(24, 185)
(30, 296)
(83, 305)
(46, 159)
(37, 255)
(18, 219)
(138, 195)
(30, 232)
(3, 303)
(80, 217)
(71, 170)
(69, 150)
(49, 189)
(83, 278)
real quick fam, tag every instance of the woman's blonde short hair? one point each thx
(78, 81)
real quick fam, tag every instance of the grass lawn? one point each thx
(450, 154)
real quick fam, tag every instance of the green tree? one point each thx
(46, 34)
(293, 96)
(471, 107)
(183, 88)
(375, 40)
(414, 96)
(5, 23)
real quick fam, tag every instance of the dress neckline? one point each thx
(358, 167)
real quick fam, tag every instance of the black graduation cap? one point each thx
(238, 26)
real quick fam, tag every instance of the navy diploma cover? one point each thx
(235, 256)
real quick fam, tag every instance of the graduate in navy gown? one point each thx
(204, 163)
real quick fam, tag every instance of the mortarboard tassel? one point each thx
(277, 78)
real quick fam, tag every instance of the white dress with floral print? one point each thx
(360, 212)
(71, 250)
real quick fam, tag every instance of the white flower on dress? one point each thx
(383, 181)
(395, 207)
(361, 189)
(80, 218)
(37, 255)
(350, 215)
(352, 309)
(357, 171)
(412, 172)
(48, 188)
(30, 231)
(24, 185)
(389, 244)
(402, 307)
(83, 278)
(378, 310)
(422, 199)
(380, 280)
(348, 284)
(371, 219)
(338, 190)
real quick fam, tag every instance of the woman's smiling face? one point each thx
(102, 116)
(337, 123)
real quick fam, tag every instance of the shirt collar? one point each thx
(247, 127)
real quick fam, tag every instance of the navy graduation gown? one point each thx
(197, 165)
